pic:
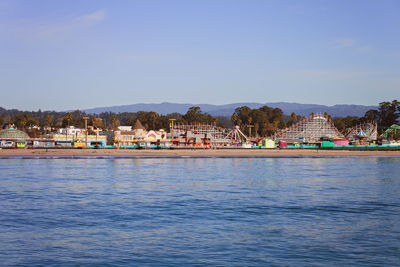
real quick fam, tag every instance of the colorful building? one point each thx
(70, 140)
(138, 136)
(268, 143)
(13, 138)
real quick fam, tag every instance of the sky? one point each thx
(63, 55)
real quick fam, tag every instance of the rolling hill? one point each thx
(228, 109)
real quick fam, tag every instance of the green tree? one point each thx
(241, 116)
(31, 122)
(151, 119)
(389, 113)
(77, 120)
(114, 121)
(193, 115)
(293, 118)
(49, 120)
(21, 120)
(371, 115)
(266, 120)
(339, 124)
(96, 122)
(342, 124)
(163, 122)
(67, 119)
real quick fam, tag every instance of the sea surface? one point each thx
(342, 211)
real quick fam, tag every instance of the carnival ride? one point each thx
(208, 134)
(310, 130)
(200, 133)
(237, 136)
(392, 132)
(366, 131)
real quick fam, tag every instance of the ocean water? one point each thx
(200, 211)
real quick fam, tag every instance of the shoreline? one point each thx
(198, 153)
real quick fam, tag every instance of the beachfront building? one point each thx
(76, 137)
(124, 138)
(71, 130)
(63, 140)
(268, 143)
(139, 136)
(13, 138)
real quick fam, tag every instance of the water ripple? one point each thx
(200, 211)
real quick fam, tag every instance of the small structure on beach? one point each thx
(341, 142)
(268, 143)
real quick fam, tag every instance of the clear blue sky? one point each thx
(63, 55)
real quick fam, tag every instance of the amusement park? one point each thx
(315, 131)
(248, 128)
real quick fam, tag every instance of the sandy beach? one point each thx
(190, 153)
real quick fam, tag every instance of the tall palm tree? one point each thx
(68, 118)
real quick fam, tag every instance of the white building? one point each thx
(71, 130)
(125, 128)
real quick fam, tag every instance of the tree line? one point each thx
(264, 121)
(106, 120)
(387, 114)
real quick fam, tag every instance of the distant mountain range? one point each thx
(228, 109)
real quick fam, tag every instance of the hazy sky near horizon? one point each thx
(61, 55)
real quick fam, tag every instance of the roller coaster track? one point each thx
(311, 128)
(370, 129)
